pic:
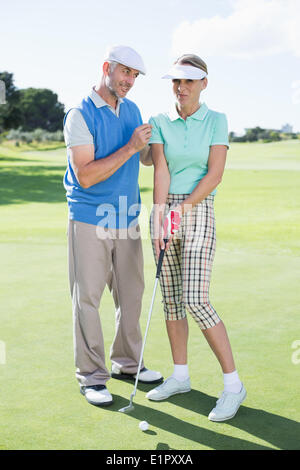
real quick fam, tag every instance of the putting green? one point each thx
(255, 290)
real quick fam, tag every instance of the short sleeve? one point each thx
(76, 131)
(156, 136)
(220, 133)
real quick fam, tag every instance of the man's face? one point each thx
(120, 79)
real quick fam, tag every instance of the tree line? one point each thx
(258, 134)
(29, 108)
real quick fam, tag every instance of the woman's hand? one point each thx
(159, 245)
(171, 225)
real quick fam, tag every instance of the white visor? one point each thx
(186, 72)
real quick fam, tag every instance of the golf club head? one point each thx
(127, 409)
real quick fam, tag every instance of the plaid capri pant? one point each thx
(187, 265)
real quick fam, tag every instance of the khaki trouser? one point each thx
(95, 262)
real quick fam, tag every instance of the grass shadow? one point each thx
(31, 184)
(176, 426)
(36, 183)
(277, 430)
(16, 159)
(145, 189)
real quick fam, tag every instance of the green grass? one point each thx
(255, 290)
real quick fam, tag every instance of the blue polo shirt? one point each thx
(187, 144)
(115, 202)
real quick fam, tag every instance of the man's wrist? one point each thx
(130, 149)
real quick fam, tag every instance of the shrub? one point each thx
(14, 134)
(38, 135)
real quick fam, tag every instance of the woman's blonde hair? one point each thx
(192, 59)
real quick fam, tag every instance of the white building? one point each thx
(287, 128)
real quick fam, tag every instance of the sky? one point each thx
(251, 47)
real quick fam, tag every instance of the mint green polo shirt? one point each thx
(187, 144)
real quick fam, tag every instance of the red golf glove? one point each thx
(172, 223)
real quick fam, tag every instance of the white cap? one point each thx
(186, 72)
(126, 56)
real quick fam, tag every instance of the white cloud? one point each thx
(255, 28)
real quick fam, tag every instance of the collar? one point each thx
(199, 115)
(99, 101)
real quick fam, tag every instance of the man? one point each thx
(104, 136)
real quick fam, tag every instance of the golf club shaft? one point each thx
(160, 259)
(145, 337)
(159, 266)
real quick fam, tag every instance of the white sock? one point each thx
(232, 382)
(181, 372)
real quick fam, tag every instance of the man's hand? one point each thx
(140, 137)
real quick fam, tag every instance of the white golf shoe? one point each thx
(97, 395)
(227, 405)
(146, 376)
(171, 386)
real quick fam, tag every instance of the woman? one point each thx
(189, 146)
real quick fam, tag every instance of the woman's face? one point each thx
(187, 92)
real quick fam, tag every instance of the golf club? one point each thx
(130, 407)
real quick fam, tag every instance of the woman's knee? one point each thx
(174, 310)
(203, 313)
